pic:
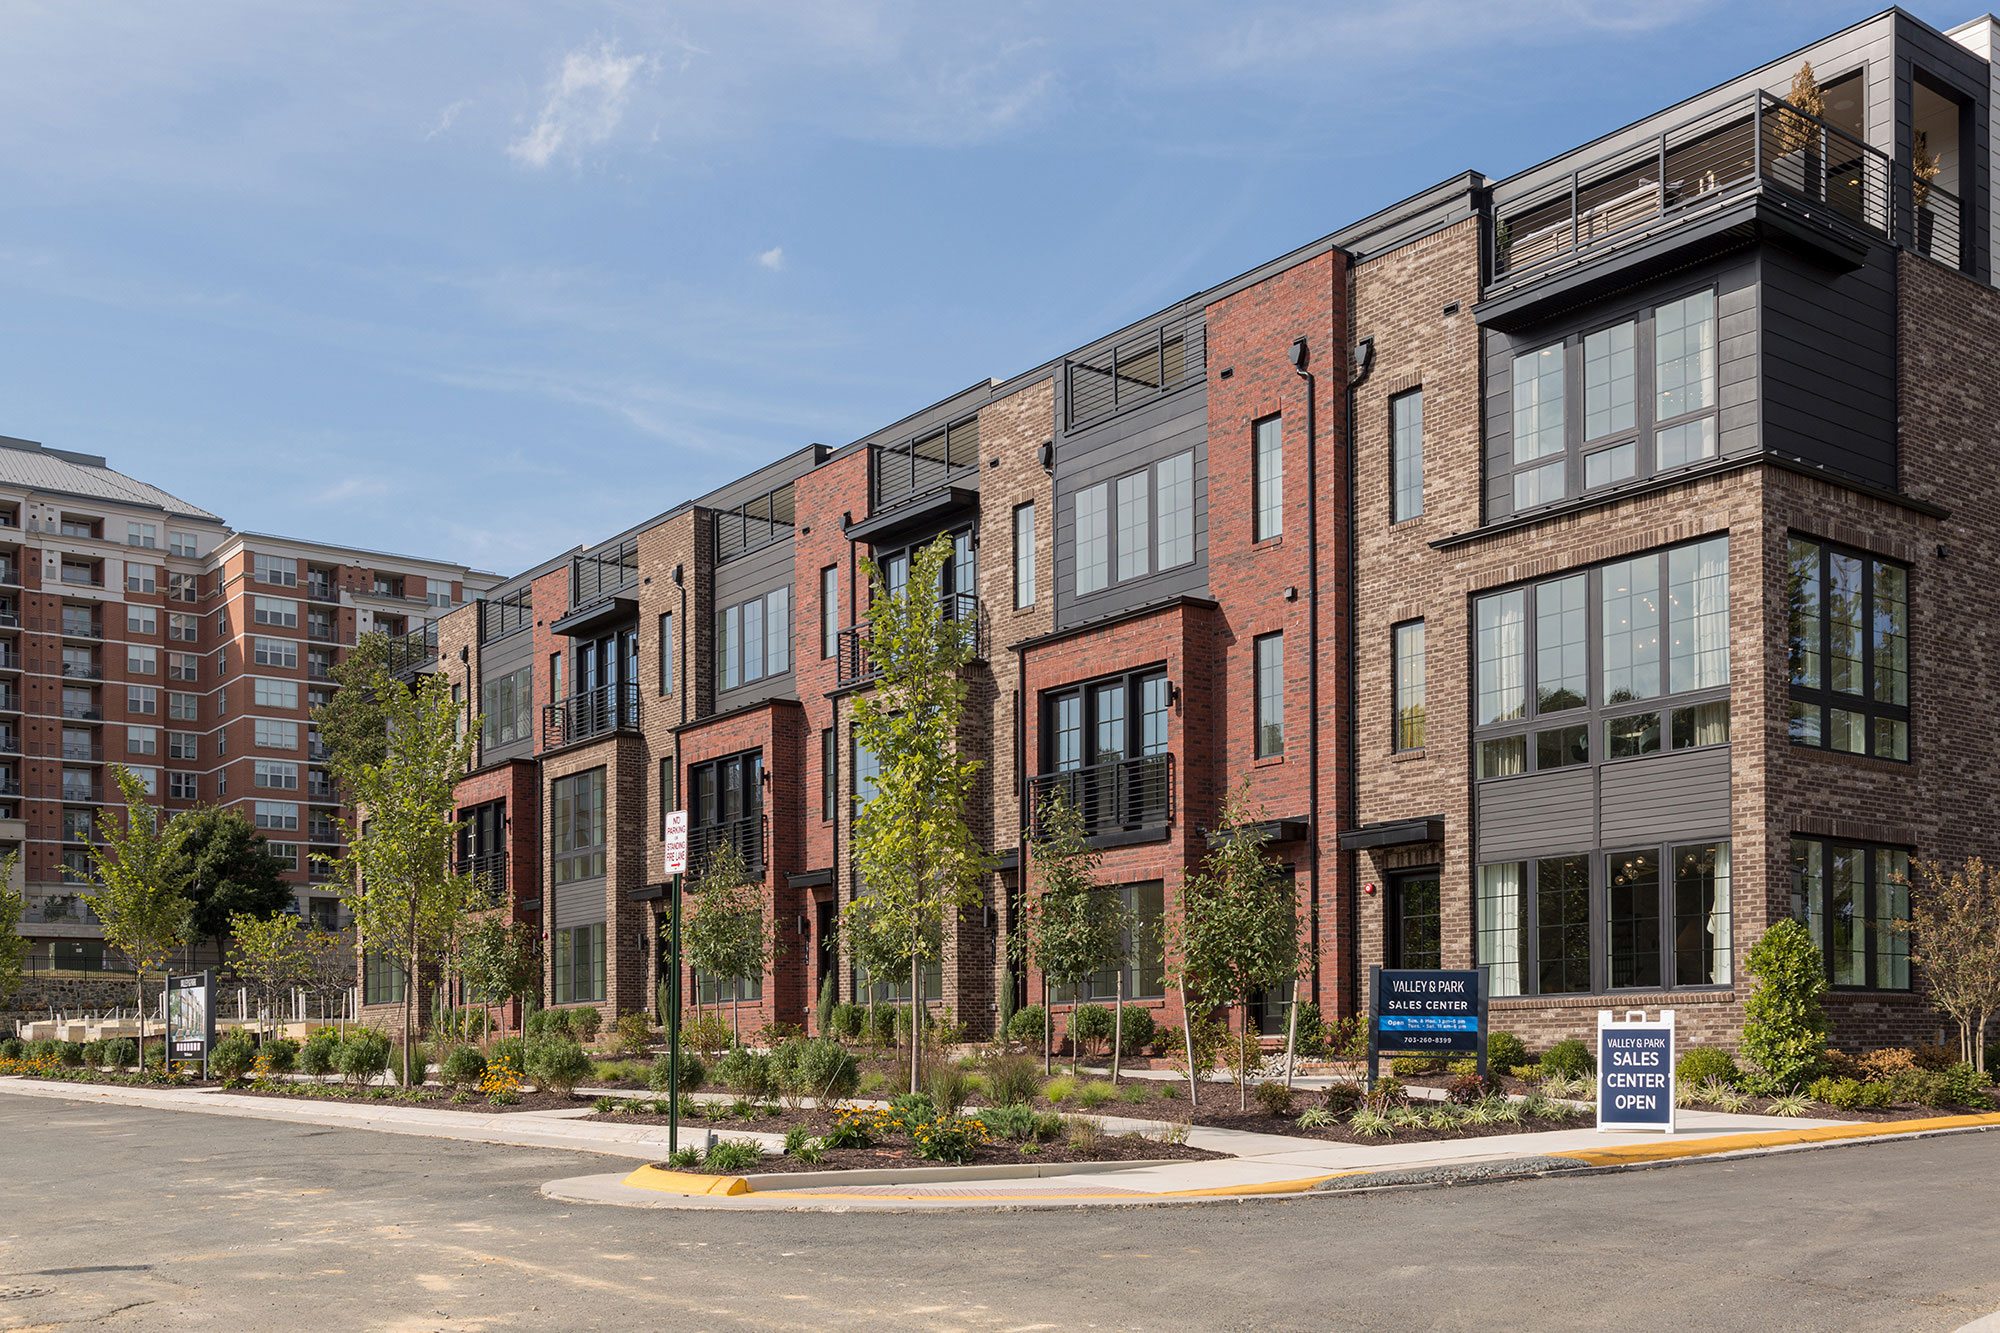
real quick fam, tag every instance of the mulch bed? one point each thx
(1110, 1148)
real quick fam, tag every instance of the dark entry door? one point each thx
(1416, 920)
(827, 932)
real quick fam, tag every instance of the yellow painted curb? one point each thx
(1628, 1153)
(685, 1182)
(1220, 1191)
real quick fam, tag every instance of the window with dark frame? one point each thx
(576, 826)
(1416, 920)
(1406, 455)
(1852, 895)
(506, 708)
(1126, 528)
(829, 777)
(829, 611)
(1407, 672)
(1269, 692)
(1110, 737)
(1848, 628)
(670, 796)
(1267, 478)
(1024, 555)
(578, 964)
(726, 803)
(1142, 948)
(753, 639)
(666, 653)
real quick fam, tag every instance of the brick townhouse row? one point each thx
(1579, 570)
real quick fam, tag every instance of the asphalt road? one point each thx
(139, 1219)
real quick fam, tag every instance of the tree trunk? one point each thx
(410, 995)
(1292, 1035)
(1117, 1026)
(1048, 1025)
(1187, 1031)
(1074, 1044)
(916, 1025)
(736, 1014)
(141, 982)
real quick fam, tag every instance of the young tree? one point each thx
(724, 934)
(1954, 925)
(912, 847)
(1239, 930)
(328, 965)
(270, 954)
(406, 895)
(13, 945)
(354, 723)
(879, 954)
(136, 894)
(499, 960)
(229, 872)
(1073, 928)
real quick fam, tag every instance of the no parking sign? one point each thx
(1635, 1071)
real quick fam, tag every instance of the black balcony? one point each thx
(902, 472)
(10, 659)
(598, 712)
(411, 653)
(83, 713)
(10, 701)
(599, 574)
(81, 629)
(855, 665)
(754, 524)
(10, 786)
(11, 744)
(503, 615)
(1120, 796)
(323, 633)
(745, 834)
(82, 671)
(321, 590)
(489, 871)
(76, 751)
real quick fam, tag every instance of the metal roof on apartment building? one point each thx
(85, 476)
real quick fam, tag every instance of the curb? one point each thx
(1636, 1154)
(685, 1182)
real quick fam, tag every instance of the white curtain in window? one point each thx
(1698, 579)
(1500, 926)
(1503, 656)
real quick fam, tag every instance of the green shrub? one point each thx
(1343, 1098)
(1310, 1031)
(1568, 1058)
(1139, 1029)
(280, 1055)
(912, 1108)
(820, 1068)
(731, 1155)
(556, 1063)
(1093, 1095)
(93, 1053)
(1841, 1093)
(1167, 1040)
(420, 1065)
(585, 1023)
(229, 1060)
(1090, 1027)
(693, 1073)
(1962, 1085)
(1026, 1026)
(845, 1021)
(631, 1035)
(42, 1048)
(882, 1025)
(1703, 1064)
(320, 1055)
(12, 1049)
(1504, 1050)
(1011, 1079)
(119, 1052)
(510, 1051)
(363, 1056)
(745, 1071)
(948, 1139)
(1059, 1089)
(69, 1054)
(1013, 1121)
(797, 1137)
(463, 1068)
(543, 1021)
(1784, 1026)
(1274, 1097)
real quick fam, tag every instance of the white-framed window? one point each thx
(183, 707)
(181, 587)
(141, 660)
(183, 626)
(277, 776)
(286, 854)
(143, 534)
(282, 815)
(183, 666)
(141, 619)
(440, 592)
(183, 745)
(142, 740)
(142, 700)
(183, 787)
(278, 570)
(141, 578)
(276, 693)
(275, 652)
(275, 611)
(273, 734)
(181, 543)
(149, 778)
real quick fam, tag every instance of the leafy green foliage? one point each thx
(138, 895)
(1140, 1029)
(1700, 1064)
(355, 722)
(731, 1155)
(1026, 1025)
(231, 1058)
(1784, 1027)
(227, 866)
(364, 1055)
(13, 945)
(277, 1056)
(1568, 1058)
(499, 959)
(1955, 939)
(1504, 1051)
(693, 1073)
(815, 1067)
(1275, 1098)
(321, 1053)
(557, 1063)
(1012, 1079)
(724, 929)
(1090, 1026)
(746, 1071)
(269, 953)
(463, 1068)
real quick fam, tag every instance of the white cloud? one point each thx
(448, 117)
(585, 103)
(773, 258)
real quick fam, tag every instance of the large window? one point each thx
(1406, 455)
(1138, 524)
(666, 653)
(1267, 478)
(506, 708)
(753, 639)
(579, 964)
(1849, 619)
(1409, 686)
(829, 777)
(576, 826)
(1665, 914)
(382, 981)
(1623, 660)
(275, 611)
(275, 652)
(1143, 948)
(1024, 555)
(726, 804)
(1852, 896)
(1269, 693)
(829, 611)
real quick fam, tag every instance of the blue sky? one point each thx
(482, 280)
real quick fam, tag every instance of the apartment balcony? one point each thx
(10, 576)
(318, 670)
(81, 795)
(9, 785)
(10, 701)
(745, 834)
(10, 658)
(1121, 796)
(82, 578)
(902, 473)
(598, 712)
(319, 751)
(322, 633)
(82, 629)
(82, 713)
(10, 620)
(410, 653)
(855, 665)
(1754, 155)
(320, 590)
(489, 870)
(56, 909)
(10, 744)
(78, 752)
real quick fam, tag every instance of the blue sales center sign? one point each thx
(1635, 1071)
(1428, 1012)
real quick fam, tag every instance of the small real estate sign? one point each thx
(676, 843)
(191, 1017)
(1635, 1071)
(1427, 1012)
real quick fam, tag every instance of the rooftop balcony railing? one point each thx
(489, 871)
(598, 575)
(1753, 145)
(920, 466)
(598, 712)
(503, 615)
(855, 665)
(1115, 796)
(412, 652)
(1136, 370)
(754, 524)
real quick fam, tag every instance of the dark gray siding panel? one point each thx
(578, 904)
(1139, 438)
(1666, 797)
(499, 658)
(737, 581)
(1830, 364)
(1537, 814)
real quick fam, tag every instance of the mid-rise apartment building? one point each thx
(138, 629)
(1577, 571)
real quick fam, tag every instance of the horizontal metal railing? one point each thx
(503, 615)
(922, 465)
(597, 712)
(1119, 794)
(746, 834)
(854, 662)
(597, 575)
(489, 870)
(412, 651)
(1135, 370)
(754, 524)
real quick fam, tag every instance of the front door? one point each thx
(1416, 921)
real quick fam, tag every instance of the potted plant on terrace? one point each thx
(1794, 139)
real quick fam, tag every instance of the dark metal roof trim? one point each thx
(600, 614)
(1394, 833)
(1273, 830)
(810, 879)
(912, 514)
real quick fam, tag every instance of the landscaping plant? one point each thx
(1954, 924)
(724, 930)
(1071, 928)
(1784, 1028)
